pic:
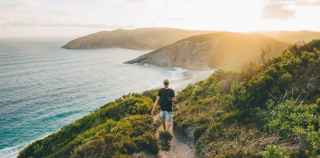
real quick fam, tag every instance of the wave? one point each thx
(10, 152)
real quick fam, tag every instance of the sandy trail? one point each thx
(178, 150)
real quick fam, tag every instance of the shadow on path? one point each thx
(179, 149)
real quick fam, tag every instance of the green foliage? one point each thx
(118, 121)
(239, 118)
(130, 135)
(128, 105)
(301, 121)
(273, 151)
(289, 73)
(286, 78)
(151, 94)
(318, 101)
(269, 110)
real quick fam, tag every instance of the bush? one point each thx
(133, 134)
(273, 151)
(286, 77)
(291, 120)
(318, 101)
(83, 135)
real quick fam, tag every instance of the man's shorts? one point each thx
(165, 115)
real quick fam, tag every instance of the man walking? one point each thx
(165, 98)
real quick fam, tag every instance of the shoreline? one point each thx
(191, 76)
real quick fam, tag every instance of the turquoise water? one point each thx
(44, 87)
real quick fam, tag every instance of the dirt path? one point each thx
(178, 148)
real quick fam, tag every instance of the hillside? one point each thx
(267, 111)
(293, 36)
(117, 129)
(271, 111)
(216, 50)
(142, 38)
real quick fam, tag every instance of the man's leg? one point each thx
(163, 119)
(164, 125)
(168, 121)
(168, 126)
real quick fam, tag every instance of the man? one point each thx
(165, 99)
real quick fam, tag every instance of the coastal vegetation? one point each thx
(269, 110)
(119, 128)
(272, 111)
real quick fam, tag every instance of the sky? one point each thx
(75, 17)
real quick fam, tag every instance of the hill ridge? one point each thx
(230, 50)
(140, 38)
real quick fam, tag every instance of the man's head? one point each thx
(166, 83)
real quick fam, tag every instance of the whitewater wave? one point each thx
(10, 152)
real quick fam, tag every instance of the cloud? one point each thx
(191, 14)
(278, 9)
(286, 9)
(82, 12)
(135, 1)
(308, 2)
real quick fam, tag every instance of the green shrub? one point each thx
(273, 151)
(290, 119)
(286, 77)
(318, 101)
(133, 134)
(111, 118)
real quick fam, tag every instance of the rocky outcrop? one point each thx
(223, 50)
(143, 38)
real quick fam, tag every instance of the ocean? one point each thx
(44, 87)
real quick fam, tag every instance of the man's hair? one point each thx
(166, 82)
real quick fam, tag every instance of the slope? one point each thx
(217, 50)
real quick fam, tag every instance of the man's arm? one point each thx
(154, 105)
(174, 99)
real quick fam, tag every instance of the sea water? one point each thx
(44, 87)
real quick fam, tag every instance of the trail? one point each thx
(179, 149)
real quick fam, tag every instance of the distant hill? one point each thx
(142, 38)
(223, 50)
(293, 36)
